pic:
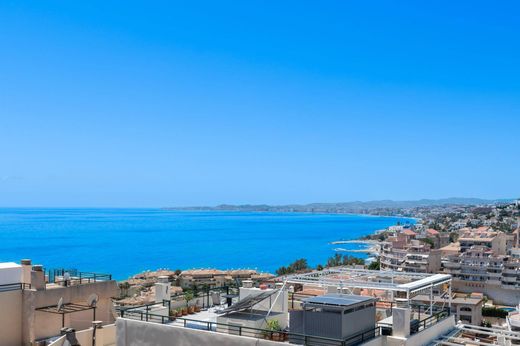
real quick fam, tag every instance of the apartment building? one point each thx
(498, 242)
(486, 263)
(406, 251)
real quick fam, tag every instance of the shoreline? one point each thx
(288, 212)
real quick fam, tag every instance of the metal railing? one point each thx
(362, 337)
(282, 335)
(429, 321)
(14, 287)
(76, 277)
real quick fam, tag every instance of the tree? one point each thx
(319, 267)
(297, 266)
(188, 295)
(375, 265)
(427, 241)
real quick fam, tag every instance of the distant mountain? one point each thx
(351, 207)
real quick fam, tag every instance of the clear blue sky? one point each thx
(106, 103)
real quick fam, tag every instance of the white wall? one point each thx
(425, 336)
(137, 333)
(104, 337)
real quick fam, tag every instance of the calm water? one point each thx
(126, 241)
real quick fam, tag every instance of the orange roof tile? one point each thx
(409, 232)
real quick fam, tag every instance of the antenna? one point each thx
(92, 300)
(59, 307)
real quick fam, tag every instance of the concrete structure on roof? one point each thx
(32, 308)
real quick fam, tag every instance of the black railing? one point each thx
(14, 287)
(362, 337)
(282, 335)
(421, 325)
(57, 276)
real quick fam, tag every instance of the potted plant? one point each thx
(273, 326)
(178, 312)
(197, 308)
(173, 315)
(188, 295)
(184, 311)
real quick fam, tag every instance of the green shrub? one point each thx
(494, 312)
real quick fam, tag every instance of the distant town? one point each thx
(416, 208)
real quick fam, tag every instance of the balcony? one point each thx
(73, 277)
(451, 265)
(511, 272)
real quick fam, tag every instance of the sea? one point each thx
(123, 242)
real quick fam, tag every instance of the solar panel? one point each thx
(248, 302)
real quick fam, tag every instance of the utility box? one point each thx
(338, 316)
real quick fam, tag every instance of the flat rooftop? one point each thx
(335, 299)
(5, 265)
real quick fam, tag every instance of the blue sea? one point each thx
(124, 242)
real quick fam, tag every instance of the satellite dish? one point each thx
(92, 300)
(59, 307)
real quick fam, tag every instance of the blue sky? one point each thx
(198, 103)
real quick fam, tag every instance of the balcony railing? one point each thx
(233, 329)
(14, 287)
(57, 276)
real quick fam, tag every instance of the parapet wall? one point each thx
(137, 333)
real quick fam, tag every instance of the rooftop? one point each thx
(335, 299)
(5, 265)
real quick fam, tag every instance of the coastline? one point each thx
(289, 212)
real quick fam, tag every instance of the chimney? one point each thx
(26, 271)
(247, 283)
(163, 279)
(37, 278)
